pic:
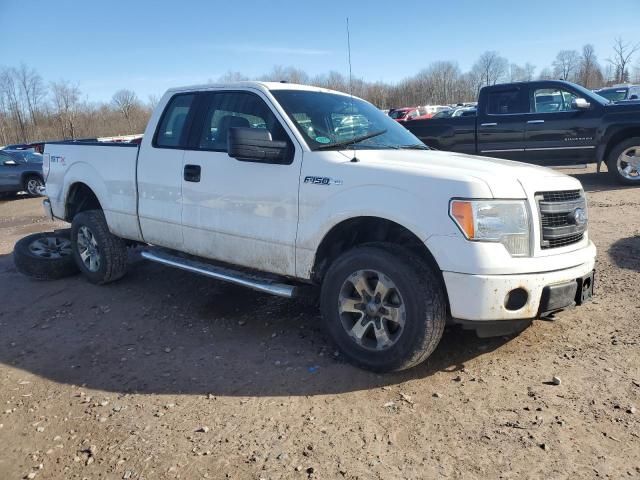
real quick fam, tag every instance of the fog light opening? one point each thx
(516, 299)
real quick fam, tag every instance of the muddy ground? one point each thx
(169, 375)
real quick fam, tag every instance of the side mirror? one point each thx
(633, 97)
(256, 145)
(10, 162)
(580, 104)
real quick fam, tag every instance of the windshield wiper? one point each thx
(416, 146)
(351, 141)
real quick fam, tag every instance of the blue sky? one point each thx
(148, 46)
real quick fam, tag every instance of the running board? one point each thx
(260, 284)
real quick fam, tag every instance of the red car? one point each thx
(409, 113)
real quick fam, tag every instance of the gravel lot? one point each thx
(170, 375)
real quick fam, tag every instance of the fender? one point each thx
(400, 206)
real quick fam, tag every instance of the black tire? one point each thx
(111, 251)
(31, 185)
(612, 161)
(421, 293)
(45, 256)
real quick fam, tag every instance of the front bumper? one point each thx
(483, 297)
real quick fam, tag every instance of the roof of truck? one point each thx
(253, 84)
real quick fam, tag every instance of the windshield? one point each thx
(329, 120)
(613, 94)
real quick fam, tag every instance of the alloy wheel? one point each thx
(372, 310)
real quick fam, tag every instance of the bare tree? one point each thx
(623, 52)
(66, 100)
(566, 64)
(230, 77)
(589, 71)
(126, 102)
(491, 68)
(33, 90)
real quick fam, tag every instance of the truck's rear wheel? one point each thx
(384, 308)
(100, 255)
(624, 162)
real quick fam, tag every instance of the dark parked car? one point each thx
(620, 93)
(20, 170)
(549, 122)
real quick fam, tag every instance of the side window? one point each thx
(170, 133)
(547, 100)
(505, 102)
(228, 110)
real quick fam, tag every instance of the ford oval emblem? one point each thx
(579, 216)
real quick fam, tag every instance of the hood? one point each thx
(504, 178)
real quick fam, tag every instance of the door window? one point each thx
(171, 132)
(226, 110)
(547, 100)
(505, 102)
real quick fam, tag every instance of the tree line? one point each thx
(34, 110)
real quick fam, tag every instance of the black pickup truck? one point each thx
(549, 123)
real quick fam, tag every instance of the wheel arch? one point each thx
(362, 230)
(80, 198)
(617, 137)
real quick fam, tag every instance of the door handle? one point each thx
(192, 173)
(488, 124)
(535, 121)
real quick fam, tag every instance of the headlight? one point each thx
(503, 221)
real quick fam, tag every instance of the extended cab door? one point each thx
(501, 122)
(160, 174)
(558, 133)
(241, 212)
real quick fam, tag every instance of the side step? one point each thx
(220, 273)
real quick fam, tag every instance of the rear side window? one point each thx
(505, 102)
(171, 132)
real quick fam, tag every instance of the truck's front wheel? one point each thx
(384, 307)
(100, 255)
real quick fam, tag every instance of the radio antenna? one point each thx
(354, 159)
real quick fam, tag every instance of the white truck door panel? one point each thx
(242, 212)
(160, 170)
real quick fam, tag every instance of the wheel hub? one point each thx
(51, 247)
(88, 249)
(629, 163)
(371, 310)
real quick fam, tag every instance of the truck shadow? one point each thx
(161, 330)
(599, 182)
(626, 253)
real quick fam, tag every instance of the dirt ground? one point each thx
(169, 375)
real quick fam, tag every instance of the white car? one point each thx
(398, 238)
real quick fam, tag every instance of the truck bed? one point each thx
(107, 168)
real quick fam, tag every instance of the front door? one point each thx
(242, 212)
(557, 133)
(501, 125)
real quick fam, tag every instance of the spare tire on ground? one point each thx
(45, 256)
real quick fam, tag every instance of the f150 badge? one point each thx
(322, 180)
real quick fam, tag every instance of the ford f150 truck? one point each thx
(549, 122)
(261, 184)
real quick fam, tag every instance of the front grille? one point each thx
(560, 219)
(561, 196)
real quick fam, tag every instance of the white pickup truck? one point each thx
(277, 186)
